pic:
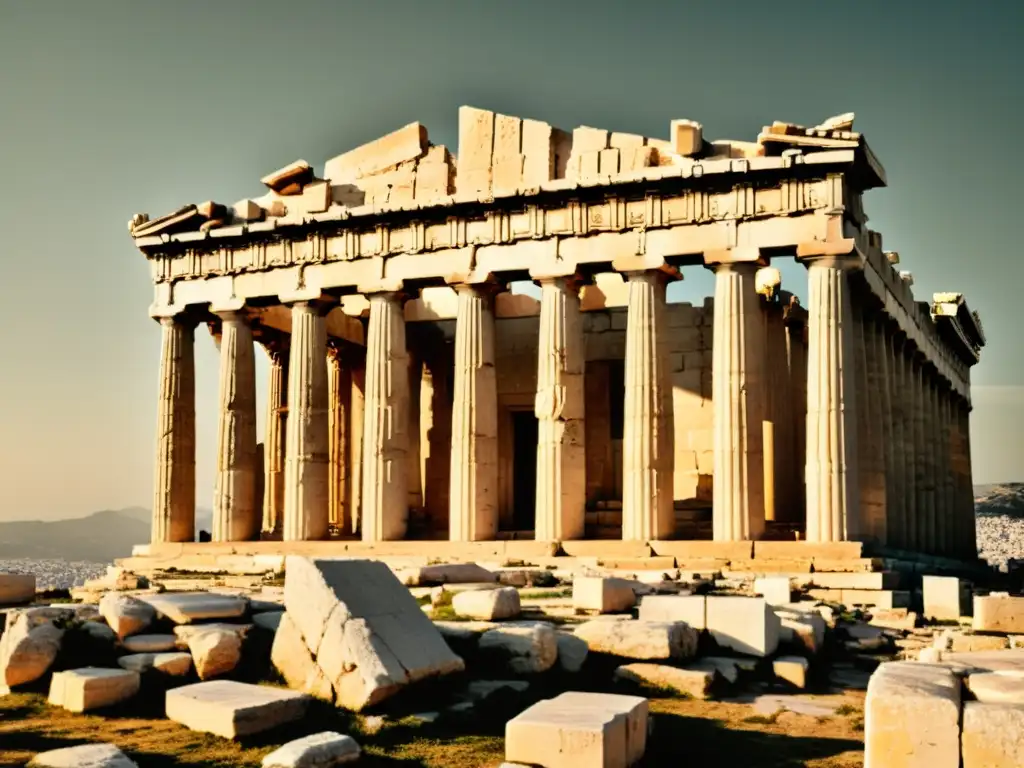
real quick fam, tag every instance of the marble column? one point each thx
(943, 508)
(897, 504)
(473, 501)
(236, 514)
(874, 455)
(833, 493)
(738, 399)
(957, 519)
(648, 442)
(796, 357)
(868, 439)
(413, 476)
(355, 441)
(339, 399)
(385, 497)
(174, 485)
(559, 407)
(922, 463)
(274, 441)
(967, 489)
(435, 434)
(306, 474)
(931, 463)
(909, 393)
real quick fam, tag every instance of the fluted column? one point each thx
(174, 485)
(922, 523)
(473, 501)
(796, 357)
(883, 380)
(648, 443)
(943, 533)
(897, 529)
(339, 399)
(306, 475)
(738, 399)
(868, 468)
(967, 488)
(910, 497)
(274, 441)
(957, 520)
(559, 407)
(385, 510)
(236, 515)
(874, 449)
(833, 498)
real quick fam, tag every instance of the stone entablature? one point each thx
(400, 233)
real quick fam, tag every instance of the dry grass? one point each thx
(686, 732)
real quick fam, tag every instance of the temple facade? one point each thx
(413, 396)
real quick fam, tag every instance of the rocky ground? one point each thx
(54, 574)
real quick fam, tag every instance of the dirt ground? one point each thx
(706, 733)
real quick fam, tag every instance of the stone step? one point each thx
(877, 598)
(875, 580)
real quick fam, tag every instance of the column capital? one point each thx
(571, 282)
(837, 254)
(185, 319)
(731, 257)
(641, 265)
(484, 288)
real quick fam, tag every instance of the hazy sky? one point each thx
(109, 108)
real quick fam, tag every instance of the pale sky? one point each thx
(111, 108)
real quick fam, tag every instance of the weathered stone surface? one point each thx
(187, 607)
(400, 146)
(912, 716)
(30, 644)
(183, 634)
(487, 604)
(996, 687)
(993, 735)
(744, 624)
(943, 597)
(640, 639)
(792, 669)
(691, 609)
(124, 614)
(523, 650)
(17, 588)
(215, 652)
(150, 643)
(173, 664)
(292, 659)
(776, 590)
(85, 756)
(320, 750)
(803, 629)
(603, 595)
(99, 631)
(366, 632)
(80, 690)
(579, 730)
(572, 651)
(999, 613)
(692, 682)
(231, 709)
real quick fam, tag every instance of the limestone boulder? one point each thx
(776, 590)
(640, 639)
(572, 651)
(999, 613)
(231, 709)
(695, 683)
(993, 735)
(292, 659)
(149, 643)
(85, 756)
(321, 750)
(124, 614)
(183, 634)
(189, 607)
(172, 664)
(81, 690)
(996, 687)
(363, 629)
(603, 595)
(912, 717)
(488, 604)
(445, 573)
(523, 650)
(17, 588)
(690, 609)
(744, 624)
(215, 652)
(30, 643)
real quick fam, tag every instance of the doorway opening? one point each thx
(524, 470)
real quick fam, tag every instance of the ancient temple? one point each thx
(413, 396)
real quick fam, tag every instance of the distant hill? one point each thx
(100, 537)
(999, 499)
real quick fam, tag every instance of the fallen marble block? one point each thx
(30, 643)
(996, 687)
(695, 683)
(321, 750)
(124, 614)
(640, 639)
(80, 690)
(744, 624)
(85, 756)
(993, 735)
(792, 669)
(17, 588)
(572, 651)
(579, 730)
(231, 709)
(912, 717)
(292, 659)
(999, 613)
(487, 604)
(188, 607)
(173, 664)
(215, 653)
(776, 590)
(446, 573)
(149, 643)
(602, 595)
(364, 630)
(521, 649)
(184, 633)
